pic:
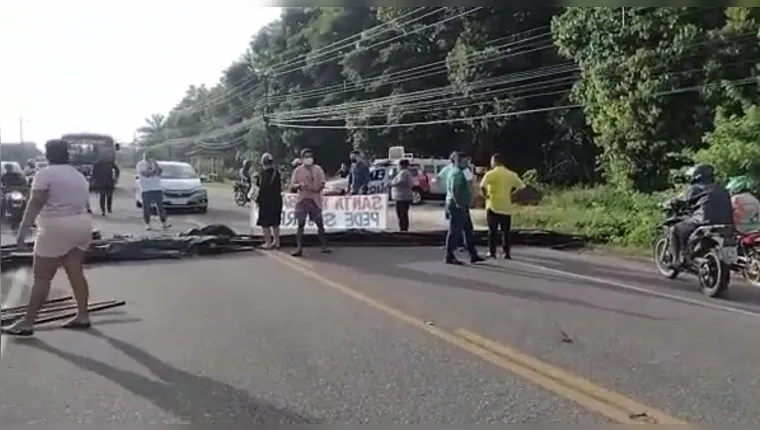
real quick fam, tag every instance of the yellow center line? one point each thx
(609, 404)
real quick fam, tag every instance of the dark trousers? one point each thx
(498, 222)
(679, 238)
(402, 213)
(460, 224)
(150, 199)
(105, 195)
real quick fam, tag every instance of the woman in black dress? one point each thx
(269, 201)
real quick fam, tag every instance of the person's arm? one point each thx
(115, 171)
(456, 182)
(142, 169)
(295, 185)
(319, 179)
(39, 196)
(484, 183)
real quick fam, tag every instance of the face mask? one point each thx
(308, 161)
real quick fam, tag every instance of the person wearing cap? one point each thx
(269, 202)
(458, 202)
(308, 181)
(745, 205)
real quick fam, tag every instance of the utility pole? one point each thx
(21, 130)
(265, 114)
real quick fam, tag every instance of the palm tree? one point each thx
(154, 131)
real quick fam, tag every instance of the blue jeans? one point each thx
(460, 227)
(150, 199)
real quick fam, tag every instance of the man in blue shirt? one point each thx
(458, 201)
(358, 178)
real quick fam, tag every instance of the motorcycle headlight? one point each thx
(16, 195)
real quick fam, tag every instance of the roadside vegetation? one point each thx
(598, 107)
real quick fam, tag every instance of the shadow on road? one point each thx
(194, 398)
(740, 293)
(380, 262)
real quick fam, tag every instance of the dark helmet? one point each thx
(701, 174)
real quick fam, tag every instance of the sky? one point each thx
(98, 66)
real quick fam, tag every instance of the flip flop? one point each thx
(76, 325)
(10, 331)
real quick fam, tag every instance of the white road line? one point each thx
(13, 297)
(624, 286)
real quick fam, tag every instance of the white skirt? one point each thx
(59, 235)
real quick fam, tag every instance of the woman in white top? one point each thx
(60, 197)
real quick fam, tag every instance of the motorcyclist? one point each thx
(246, 175)
(31, 167)
(746, 206)
(707, 203)
(12, 178)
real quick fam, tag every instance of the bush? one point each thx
(603, 214)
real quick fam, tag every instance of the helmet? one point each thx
(701, 174)
(739, 184)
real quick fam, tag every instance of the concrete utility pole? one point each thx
(265, 114)
(21, 131)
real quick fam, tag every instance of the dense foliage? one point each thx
(579, 95)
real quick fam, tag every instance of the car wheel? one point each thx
(138, 203)
(416, 196)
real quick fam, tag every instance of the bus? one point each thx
(86, 148)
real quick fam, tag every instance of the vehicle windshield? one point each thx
(177, 171)
(15, 167)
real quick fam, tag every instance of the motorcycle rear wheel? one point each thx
(714, 275)
(662, 259)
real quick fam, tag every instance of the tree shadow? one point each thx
(193, 398)
(380, 265)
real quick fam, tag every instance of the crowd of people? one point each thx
(308, 181)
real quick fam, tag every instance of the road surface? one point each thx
(389, 336)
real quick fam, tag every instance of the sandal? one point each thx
(19, 332)
(76, 325)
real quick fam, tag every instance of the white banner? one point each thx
(366, 212)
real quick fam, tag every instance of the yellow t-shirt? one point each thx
(499, 183)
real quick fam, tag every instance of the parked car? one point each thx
(381, 175)
(181, 185)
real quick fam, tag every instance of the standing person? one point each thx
(497, 186)
(269, 202)
(60, 194)
(401, 193)
(308, 181)
(358, 177)
(245, 176)
(149, 173)
(104, 175)
(458, 201)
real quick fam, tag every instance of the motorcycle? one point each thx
(711, 253)
(14, 205)
(241, 193)
(749, 257)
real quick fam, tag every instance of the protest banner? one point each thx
(365, 212)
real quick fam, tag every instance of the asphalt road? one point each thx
(385, 335)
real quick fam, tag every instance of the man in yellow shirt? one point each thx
(497, 185)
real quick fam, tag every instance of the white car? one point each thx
(181, 185)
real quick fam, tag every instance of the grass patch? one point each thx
(623, 221)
